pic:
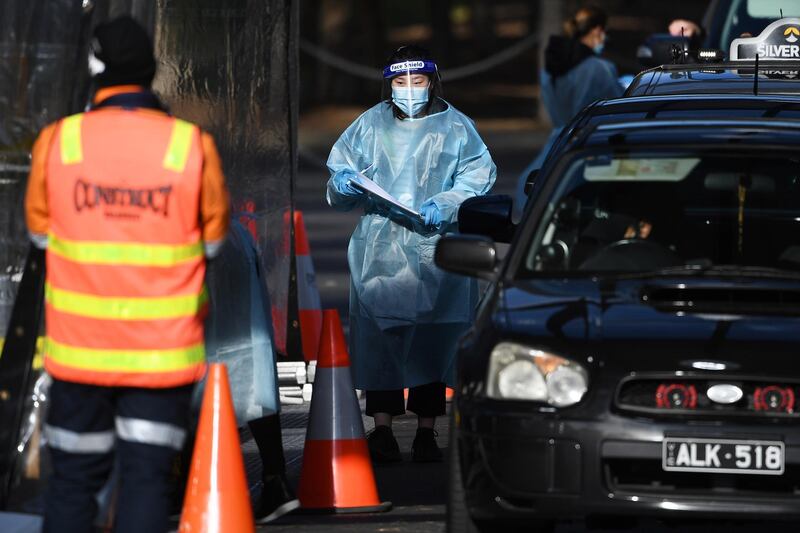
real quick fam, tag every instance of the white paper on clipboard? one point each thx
(362, 182)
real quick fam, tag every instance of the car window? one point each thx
(752, 16)
(643, 211)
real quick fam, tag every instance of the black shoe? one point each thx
(383, 446)
(424, 448)
(277, 499)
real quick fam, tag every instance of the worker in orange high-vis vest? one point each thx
(129, 203)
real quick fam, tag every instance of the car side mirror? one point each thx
(488, 215)
(530, 181)
(663, 49)
(469, 255)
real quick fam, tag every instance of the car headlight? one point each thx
(521, 380)
(566, 385)
(518, 372)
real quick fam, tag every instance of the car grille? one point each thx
(718, 300)
(669, 395)
(647, 475)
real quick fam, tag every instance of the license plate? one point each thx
(723, 456)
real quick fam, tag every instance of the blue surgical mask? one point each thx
(410, 100)
(598, 49)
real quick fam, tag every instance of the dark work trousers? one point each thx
(427, 401)
(266, 432)
(87, 426)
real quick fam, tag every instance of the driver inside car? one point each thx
(630, 234)
(640, 230)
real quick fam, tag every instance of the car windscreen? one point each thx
(752, 16)
(630, 211)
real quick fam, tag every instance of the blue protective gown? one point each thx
(592, 79)
(239, 327)
(406, 314)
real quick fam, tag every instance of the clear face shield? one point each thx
(410, 82)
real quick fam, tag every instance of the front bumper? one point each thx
(523, 464)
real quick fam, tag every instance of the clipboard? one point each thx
(379, 194)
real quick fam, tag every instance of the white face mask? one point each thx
(410, 100)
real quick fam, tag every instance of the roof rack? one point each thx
(582, 131)
(641, 124)
(763, 64)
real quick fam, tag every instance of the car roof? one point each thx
(699, 105)
(743, 120)
(775, 78)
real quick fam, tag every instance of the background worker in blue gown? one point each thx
(574, 76)
(406, 314)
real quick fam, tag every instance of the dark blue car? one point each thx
(637, 351)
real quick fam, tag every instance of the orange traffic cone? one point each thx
(217, 498)
(337, 472)
(308, 301)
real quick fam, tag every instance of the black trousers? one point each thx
(426, 401)
(266, 432)
(88, 428)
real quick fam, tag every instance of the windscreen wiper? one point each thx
(726, 271)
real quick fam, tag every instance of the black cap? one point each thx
(124, 46)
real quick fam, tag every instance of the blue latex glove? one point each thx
(432, 215)
(341, 182)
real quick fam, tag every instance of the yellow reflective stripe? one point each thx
(71, 149)
(134, 254)
(104, 308)
(125, 360)
(179, 143)
(38, 358)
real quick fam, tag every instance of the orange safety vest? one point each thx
(125, 296)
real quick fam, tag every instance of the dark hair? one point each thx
(409, 53)
(585, 20)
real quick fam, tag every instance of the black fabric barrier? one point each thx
(228, 65)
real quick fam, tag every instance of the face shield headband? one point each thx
(410, 67)
(410, 100)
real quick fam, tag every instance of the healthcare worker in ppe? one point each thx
(574, 76)
(406, 314)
